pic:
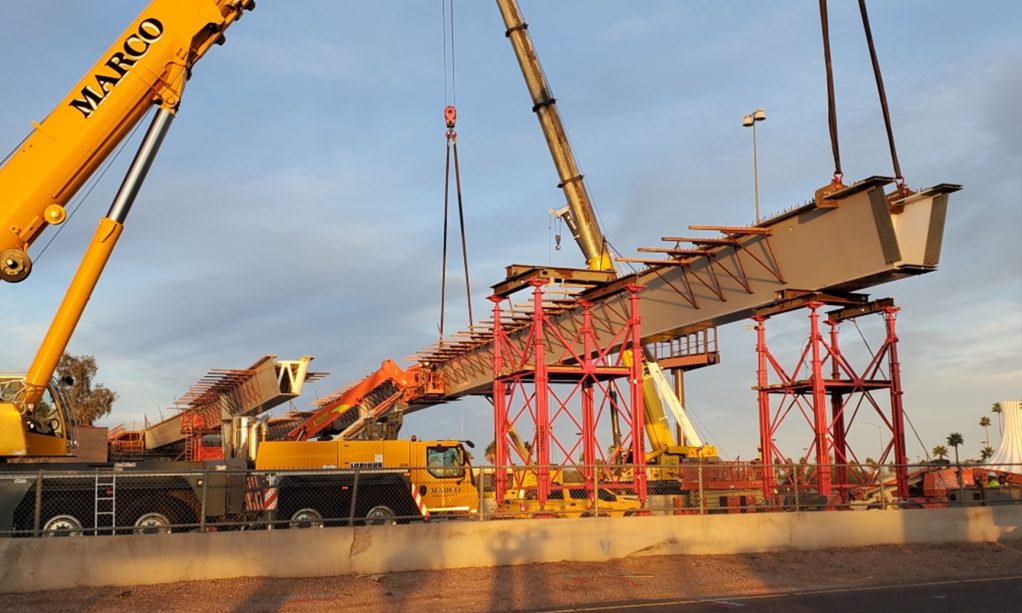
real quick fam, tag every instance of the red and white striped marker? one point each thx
(270, 499)
(419, 503)
(253, 494)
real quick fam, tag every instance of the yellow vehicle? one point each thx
(146, 67)
(570, 502)
(438, 475)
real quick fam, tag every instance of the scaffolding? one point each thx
(829, 393)
(562, 387)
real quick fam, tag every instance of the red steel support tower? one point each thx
(560, 403)
(822, 370)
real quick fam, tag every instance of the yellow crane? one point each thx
(146, 66)
(581, 220)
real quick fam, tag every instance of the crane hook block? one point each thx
(450, 115)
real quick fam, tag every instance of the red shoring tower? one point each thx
(528, 389)
(831, 374)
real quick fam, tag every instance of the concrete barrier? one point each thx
(58, 563)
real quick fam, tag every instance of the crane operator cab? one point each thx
(44, 428)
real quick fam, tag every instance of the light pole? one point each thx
(880, 465)
(749, 121)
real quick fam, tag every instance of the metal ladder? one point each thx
(106, 502)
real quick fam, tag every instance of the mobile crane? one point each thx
(583, 224)
(146, 66)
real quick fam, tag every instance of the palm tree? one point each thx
(940, 451)
(1000, 416)
(984, 422)
(954, 440)
(986, 453)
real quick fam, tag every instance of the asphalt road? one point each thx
(986, 595)
(931, 578)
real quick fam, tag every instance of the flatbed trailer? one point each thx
(48, 499)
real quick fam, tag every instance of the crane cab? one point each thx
(44, 429)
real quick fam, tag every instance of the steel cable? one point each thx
(831, 106)
(900, 180)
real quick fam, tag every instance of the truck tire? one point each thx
(59, 523)
(152, 523)
(158, 515)
(306, 518)
(380, 515)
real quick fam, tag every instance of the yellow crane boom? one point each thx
(147, 65)
(581, 218)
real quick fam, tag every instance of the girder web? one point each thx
(555, 393)
(831, 395)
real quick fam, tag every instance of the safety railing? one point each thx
(131, 501)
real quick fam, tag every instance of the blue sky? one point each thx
(296, 205)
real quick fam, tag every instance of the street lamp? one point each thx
(749, 121)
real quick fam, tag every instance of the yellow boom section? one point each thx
(147, 64)
(582, 219)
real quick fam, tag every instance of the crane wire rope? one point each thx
(902, 189)
(80, 199)
(450, 117)
(904, 411)
(831, 106)
(898, 177)
(11, 152)
(705, 429)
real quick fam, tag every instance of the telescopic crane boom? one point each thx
(584, 227)
(147, 66)
(581, 218)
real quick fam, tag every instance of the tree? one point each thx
(940, 451)
(1000, 416)
(986, 453)
(954, 440)
(88, 401)
(984, 422)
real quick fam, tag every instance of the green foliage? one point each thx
(88, 401)
(984, 422)
(996, 408)
(940, 451)
(986, 453)
(954, 440)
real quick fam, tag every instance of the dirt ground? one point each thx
(551, 586)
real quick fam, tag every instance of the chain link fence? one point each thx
(103, 502)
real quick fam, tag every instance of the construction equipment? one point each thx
(226, 405)
(354, 409)
(582, 221)
(147, 66)
(242, 479)
(581, 217)
(439, 472)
